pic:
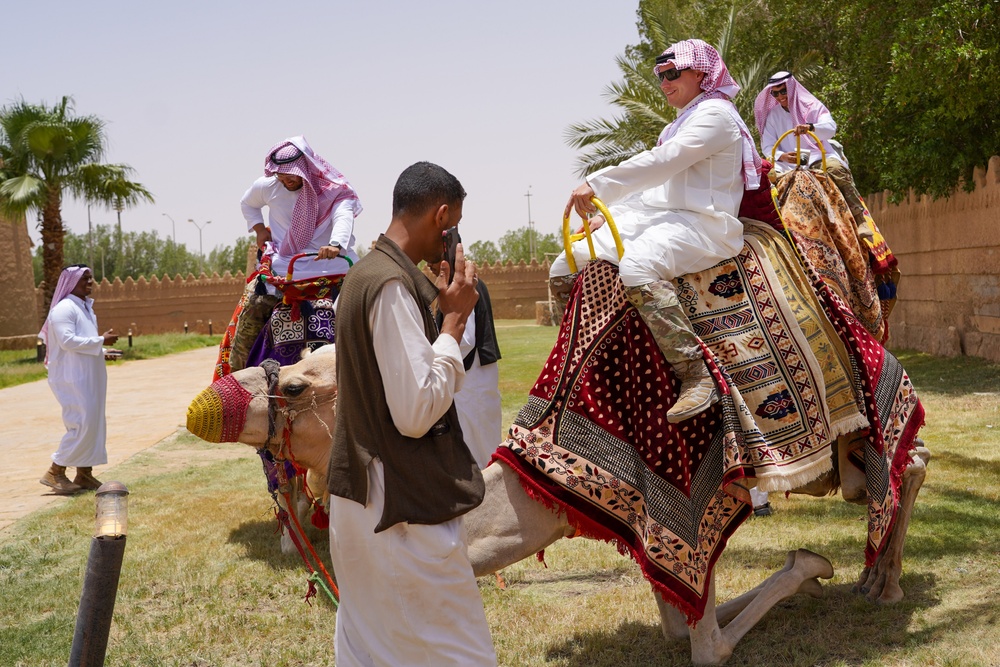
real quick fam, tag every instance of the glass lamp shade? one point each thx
(112, 510)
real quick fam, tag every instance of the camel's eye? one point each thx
(294, 389)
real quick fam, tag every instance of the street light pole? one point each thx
(201, 252)
(173, 229)
(531, 226)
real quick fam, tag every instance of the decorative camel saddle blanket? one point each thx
(593, 439)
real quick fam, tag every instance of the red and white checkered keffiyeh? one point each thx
(718, 84)
(802, 104)
(322, 187)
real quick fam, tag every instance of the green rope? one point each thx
(317, 579)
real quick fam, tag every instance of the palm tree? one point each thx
(646, 112)
(46, 151)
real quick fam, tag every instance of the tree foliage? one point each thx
(48, 152)
(515, 246)
(911, 83)
(142, 254)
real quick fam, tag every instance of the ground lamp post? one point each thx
(100, 584)
(201, 253)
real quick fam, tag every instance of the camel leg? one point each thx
(509, 526)
(673, 623)
(880, 583)
(711, 645)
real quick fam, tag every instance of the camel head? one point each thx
(235, 408)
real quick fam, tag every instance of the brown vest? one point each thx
(428, 480)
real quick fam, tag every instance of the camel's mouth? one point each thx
(219, 413)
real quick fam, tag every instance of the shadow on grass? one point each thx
(800, 631)
(950, 376)
(262, 543)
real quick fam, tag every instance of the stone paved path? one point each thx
(147, 401)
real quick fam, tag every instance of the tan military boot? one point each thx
(661, 311)
(86, 480)
(55, 477)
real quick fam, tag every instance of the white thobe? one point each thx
(408, 594)
(336, 229)
(79, 380)
(478, 403)
(779, 121)
(675, 205)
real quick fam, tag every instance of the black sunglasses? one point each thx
(669, 74)
(780, 91)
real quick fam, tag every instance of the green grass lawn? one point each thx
(204, 583)
(20, 366)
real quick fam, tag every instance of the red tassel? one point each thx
(311, 593)
(320, 519)
(541, 558)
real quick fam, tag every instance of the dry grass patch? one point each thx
(205, 584)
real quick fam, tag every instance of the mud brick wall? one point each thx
(949, 255)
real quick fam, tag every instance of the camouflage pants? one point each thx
(661, 311)
(560, 288)
(256, 312)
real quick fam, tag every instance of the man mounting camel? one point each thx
(311, 209)
(675, 206)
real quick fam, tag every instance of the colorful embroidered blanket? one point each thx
(739, 309)
(593, 440)
(815, 211)
(844, 405)
(893, 410)
(292, 329)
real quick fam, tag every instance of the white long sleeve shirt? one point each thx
(420, 379)
(337, 228)
(779, 121)
(699, 170)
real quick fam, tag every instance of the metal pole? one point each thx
(173, 228)
(531, 227)
(90, 239)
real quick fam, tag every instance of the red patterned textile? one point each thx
(893, 409)
(594, 441)
(222, 367)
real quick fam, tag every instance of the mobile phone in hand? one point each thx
(450, 239)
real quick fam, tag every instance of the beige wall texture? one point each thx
(18, 317)
(949, 255)
(161, 306)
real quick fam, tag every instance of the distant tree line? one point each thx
(142, 254)
(516, 246)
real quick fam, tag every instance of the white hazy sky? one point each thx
(195, 93)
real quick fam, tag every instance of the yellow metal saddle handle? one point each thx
(569, 239)
(798, 148)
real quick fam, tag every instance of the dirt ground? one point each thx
(147, 403)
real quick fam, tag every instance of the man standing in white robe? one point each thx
(675, 207)
(401, 476)
(79, 380)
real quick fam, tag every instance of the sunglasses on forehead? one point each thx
(669, 74)
(285, 160)
(777, 92)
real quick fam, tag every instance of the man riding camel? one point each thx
(311, 209)
(675, 207)
(786, 105)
